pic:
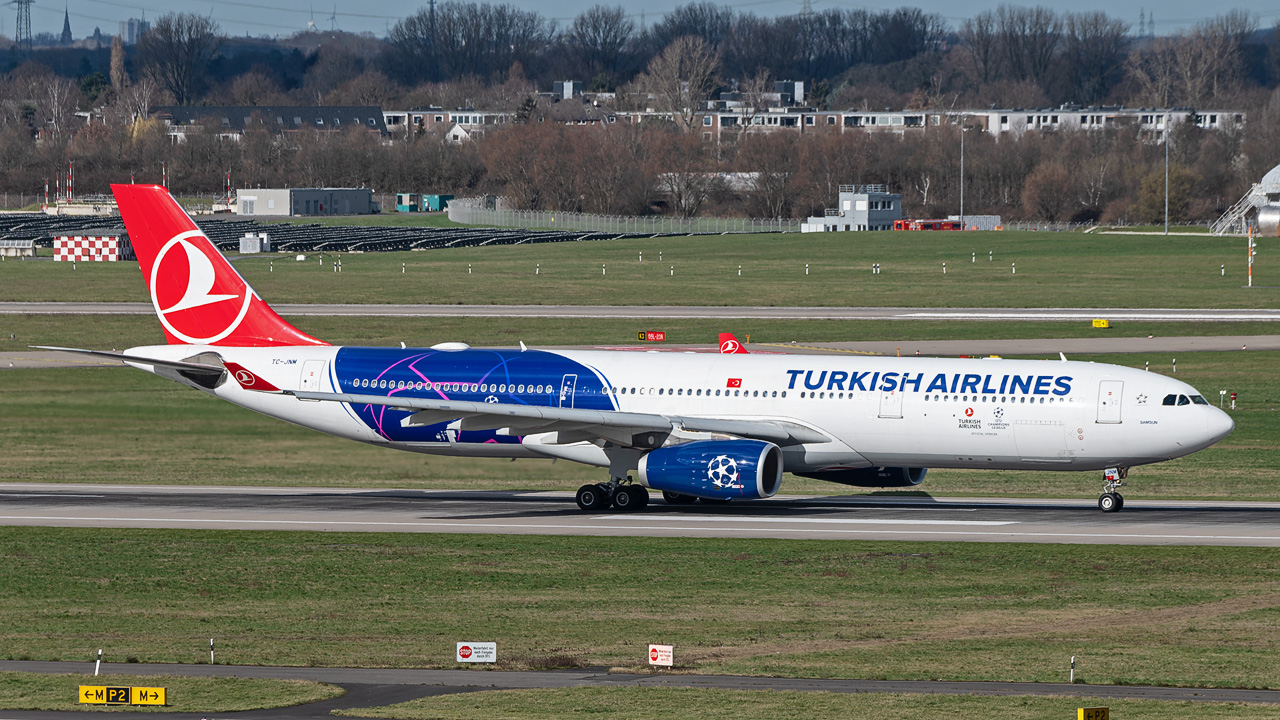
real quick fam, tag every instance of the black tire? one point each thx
(592, 498)
(628, 498)
(1119, 501)
(1108, 503)
(675, 498)
(643, 493)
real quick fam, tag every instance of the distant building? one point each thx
(66, 38)
(233, 121)
(132, 30)
(861, 207)
(103, 245)
(305, 202)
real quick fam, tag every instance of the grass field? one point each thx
(39, 691)
(1053, 270)
(143, 429)
(122, 331)
(1199, 616)
(704, 704)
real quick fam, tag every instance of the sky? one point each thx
(284, 17)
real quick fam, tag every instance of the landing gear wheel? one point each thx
(629, 498)
(677, 499)
(1119, 501)
(1110, 502)
(643, 493)
(592, 498)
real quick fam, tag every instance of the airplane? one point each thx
(697, 427)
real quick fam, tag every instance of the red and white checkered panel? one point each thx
(80, 248)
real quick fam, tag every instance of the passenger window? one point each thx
(1170, 400)
(1184, 400)
(660, 391)
(784, 393)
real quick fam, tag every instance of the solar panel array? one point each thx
(296, 237)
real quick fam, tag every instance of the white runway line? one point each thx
(752, 522)
(660, 528)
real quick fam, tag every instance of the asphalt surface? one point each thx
(372, 687)
(693, 311)
(853, 517)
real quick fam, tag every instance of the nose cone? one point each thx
(1218, 425)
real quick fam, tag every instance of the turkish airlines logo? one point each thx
(729, 347)
(201, 306)
(245, 378)
(968, 412)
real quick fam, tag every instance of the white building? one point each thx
(861, 207)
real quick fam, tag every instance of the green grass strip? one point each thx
(1187, 616)
(40, 691)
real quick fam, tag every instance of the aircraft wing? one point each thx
(573, 424)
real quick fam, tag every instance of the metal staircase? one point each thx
(1233, 220)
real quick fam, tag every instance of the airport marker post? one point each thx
(211, 651)
(97, 664)
(1072, 680)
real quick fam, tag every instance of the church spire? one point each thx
(66, 27)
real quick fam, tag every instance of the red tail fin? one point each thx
(729, 345)
(199, 298)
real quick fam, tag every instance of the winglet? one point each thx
(729, 345)
(248, 380)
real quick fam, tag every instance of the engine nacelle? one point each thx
(872, 476)
(716, 469)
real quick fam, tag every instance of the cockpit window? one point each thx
(1170, 400)
(1199, 400)
(1184, 400)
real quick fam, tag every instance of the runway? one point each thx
(852, 517)
(649, 312)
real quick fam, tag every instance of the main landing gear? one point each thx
(623, 497)
(1110, 500)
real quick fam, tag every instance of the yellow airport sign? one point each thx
(106, 695)
(1093, 713)
(146, 696)
(1101, 323)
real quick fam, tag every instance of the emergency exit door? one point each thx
(312, 373)
(1109, 396)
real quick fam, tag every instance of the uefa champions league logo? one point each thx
(723, 472)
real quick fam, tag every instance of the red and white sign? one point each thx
(734, 383)
(661, 655)
(482, 652)
(80, 248)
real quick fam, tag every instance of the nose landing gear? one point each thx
(1110, 500)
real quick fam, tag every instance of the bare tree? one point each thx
(981, 46)
(682, 78)
(176, 51)
(56, 99)
(140, 97)
(599, 36)
(1029, 38)
(1153, 73)
(119, 79)
(1093, 50)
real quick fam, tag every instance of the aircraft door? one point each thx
(1109, 395)
(567, 386)
(891, 404)
(312, 373)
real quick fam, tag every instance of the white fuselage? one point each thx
(949, 413)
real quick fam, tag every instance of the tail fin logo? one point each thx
(197, 311)
(729, 347)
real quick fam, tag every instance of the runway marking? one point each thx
(830, 521)
(540, 526)
(59, 495)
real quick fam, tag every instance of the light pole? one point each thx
(1166, 173)
(963, 224)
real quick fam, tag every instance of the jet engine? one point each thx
(872, 476)
(715, 469)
